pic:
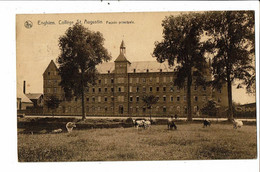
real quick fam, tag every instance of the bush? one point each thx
(129, 120)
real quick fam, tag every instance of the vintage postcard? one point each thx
(136, 86)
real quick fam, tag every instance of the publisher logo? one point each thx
(28, 24)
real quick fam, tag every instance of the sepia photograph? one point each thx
(136, 86)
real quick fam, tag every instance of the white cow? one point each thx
(142, 123)
(237, 123)
(70, 126)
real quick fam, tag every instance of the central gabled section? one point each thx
(121, 63)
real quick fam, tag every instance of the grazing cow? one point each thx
(57, 130)
(237, 123)
(70, 126)
(171, 123)
(147, 124)
(142, 123)
(206, 123)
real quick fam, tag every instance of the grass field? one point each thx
(189, 142)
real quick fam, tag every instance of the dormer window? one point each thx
(160, 70)
(108, 71)
(147, 70)
(134, 70)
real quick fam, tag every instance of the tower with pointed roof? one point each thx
(121, 63)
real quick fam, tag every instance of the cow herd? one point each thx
(144, 123)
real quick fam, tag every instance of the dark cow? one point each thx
(206, 123)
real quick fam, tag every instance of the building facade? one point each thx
(121, 86)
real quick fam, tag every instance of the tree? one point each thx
(182, 45)
(149, 101)
(52, 102)
(81, 50)
(231, 41)
(210, 108)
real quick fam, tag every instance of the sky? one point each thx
(38, 45)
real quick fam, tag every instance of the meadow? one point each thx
(189, 142)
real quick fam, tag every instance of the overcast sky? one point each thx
(38, 45)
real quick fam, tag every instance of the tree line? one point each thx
(190, 40)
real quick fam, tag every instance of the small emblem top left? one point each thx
(28, 24)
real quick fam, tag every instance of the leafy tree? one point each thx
(231, 41)
(81, 50)
(149, 101)
(182, 46)
(52, 102)
(210, 108)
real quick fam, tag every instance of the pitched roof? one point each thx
(33, 95)
(51, 64)
(139, 66)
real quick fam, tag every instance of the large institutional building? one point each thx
(121, 86)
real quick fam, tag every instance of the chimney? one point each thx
(24, 86)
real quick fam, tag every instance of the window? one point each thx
(195, 87)
(105, 80)
(105, 109)
(144, 89)
(178, 98)
(157, 89)
(93, 99)
(131, 98)
(184, 98)
(158, 98)
(87, 99)
(120, 98)
(171, 88)
(112, 90)
(93, 90)
(99, 81)
(164, 98)
(137, 98)
(112, 81)
(130, 89)
(49, 73)
(164, 109)
(105, 89)
(144, 109)
(157, 79)
(151, 89)
(105, 99)
(147, 70)
(144, 80)
(171, 98)
(196, 108)
(130, 80)
(195, 98)
(119, 89)
(164, 79)
(164, 89)
(99, 99)
(99, 90)
(137, 89)
(112, 98)
(171, 79)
